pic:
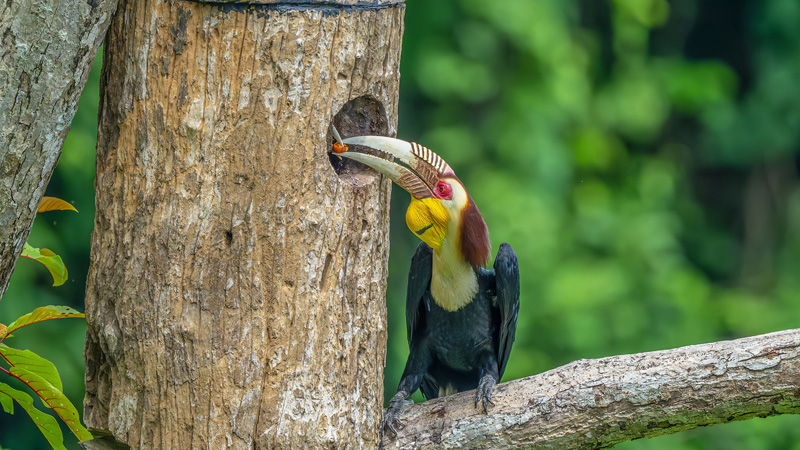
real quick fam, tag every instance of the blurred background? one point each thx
(641, 156)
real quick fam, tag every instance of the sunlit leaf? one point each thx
(6, 402)
(2, 330)
(32, 362)
(39, 315)
(55, 399)
(50, 260)
(54, 204)
(47, 424)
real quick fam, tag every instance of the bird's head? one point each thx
(441, 212)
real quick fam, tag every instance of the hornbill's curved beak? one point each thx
(422, 169)
(441, 212)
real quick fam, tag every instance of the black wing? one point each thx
(506, 270)
(417, 298)
(419, 280)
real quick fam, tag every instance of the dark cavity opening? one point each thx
(359, 117)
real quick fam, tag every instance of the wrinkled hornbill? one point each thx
(460, 317)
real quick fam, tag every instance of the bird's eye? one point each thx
(444, 191)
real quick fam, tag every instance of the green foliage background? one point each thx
(639, 155)
(68, 234)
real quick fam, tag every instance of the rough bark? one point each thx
(598, 403)
(236, 295)
(46, 52)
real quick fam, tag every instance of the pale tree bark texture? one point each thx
(593, 404)
(46, 52)
(236, 295)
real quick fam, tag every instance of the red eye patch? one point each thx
(443, 190)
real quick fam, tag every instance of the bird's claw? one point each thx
(485, 392)
(391, 424)
(391, 420)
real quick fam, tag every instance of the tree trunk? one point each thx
(236, 292)
(593, 404)
(47, 51)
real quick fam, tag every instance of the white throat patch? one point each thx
(453, 281)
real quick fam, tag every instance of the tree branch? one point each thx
(47, 54)
(602, 402)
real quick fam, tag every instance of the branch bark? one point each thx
(47, 51)
(598, 403)
(235, 297)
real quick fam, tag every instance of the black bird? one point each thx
(460, 317)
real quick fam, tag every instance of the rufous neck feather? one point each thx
(473, 236)
(465, 248)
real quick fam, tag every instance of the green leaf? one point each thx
(41, 314)
(55, 399)
(50, 260)
(32, 362)
(7, 403)
(47, 424)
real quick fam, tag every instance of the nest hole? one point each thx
(359, 117)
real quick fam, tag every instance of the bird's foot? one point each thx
(391, 417)
(485, 392)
